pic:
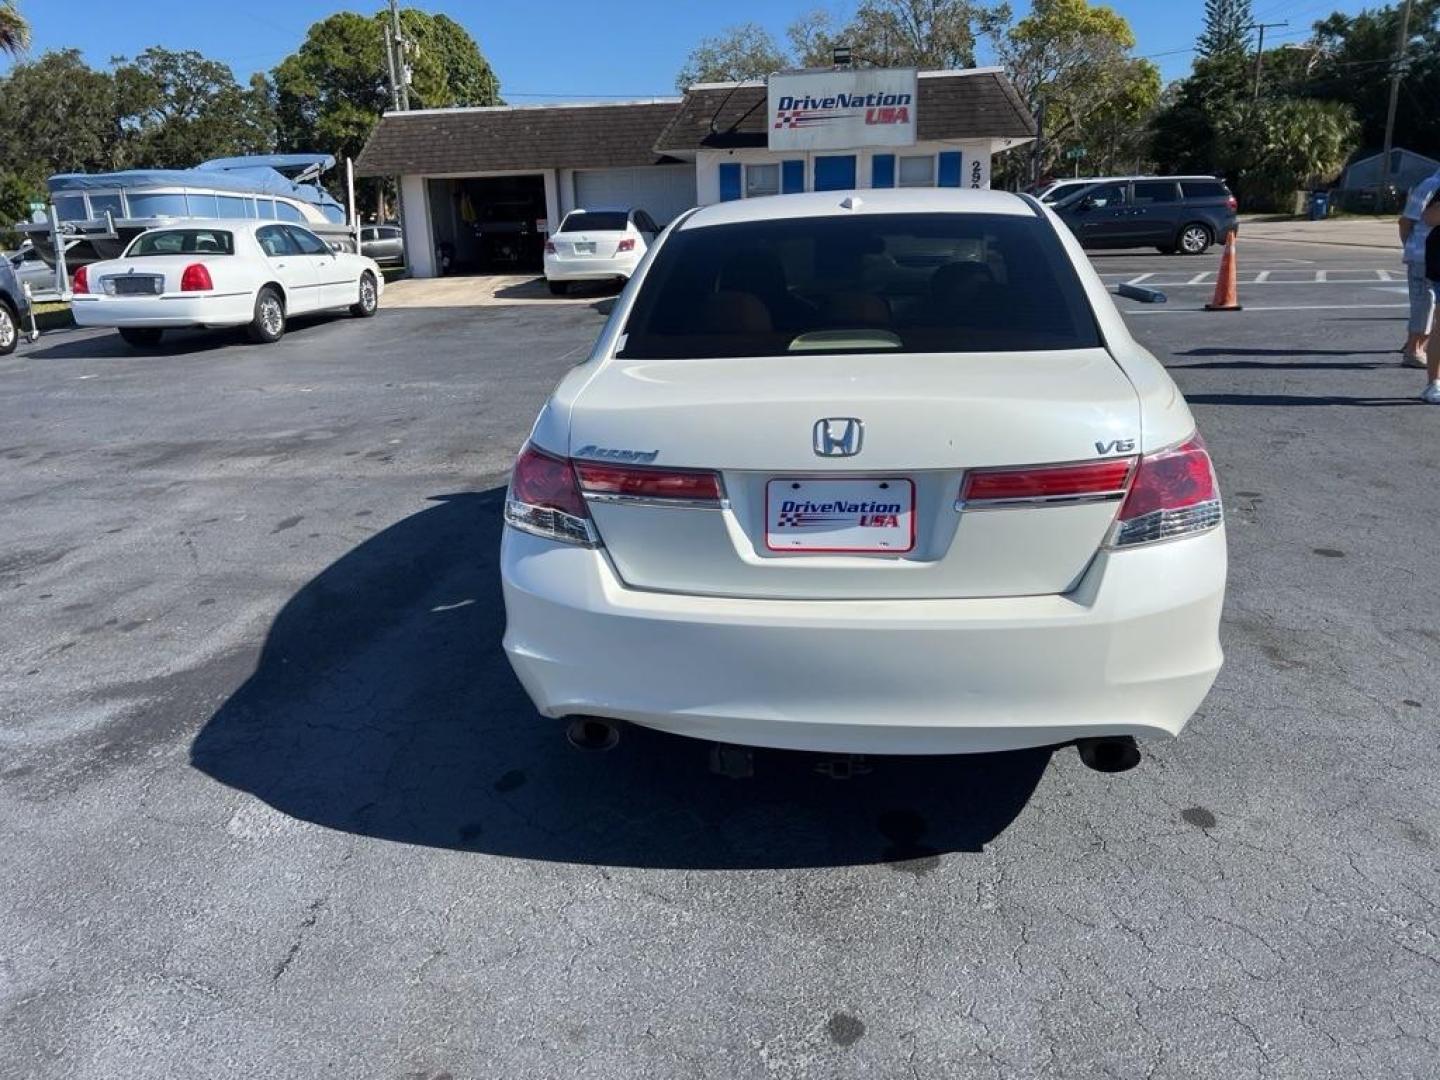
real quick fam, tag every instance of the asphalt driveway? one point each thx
(272, 804)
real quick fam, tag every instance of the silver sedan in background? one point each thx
(383, 243)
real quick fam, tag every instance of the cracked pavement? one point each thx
(272, 804)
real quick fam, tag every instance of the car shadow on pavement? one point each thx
(382, 705)
(1296, 399)
(1228, 351)
(108, 344)
(1283, 365)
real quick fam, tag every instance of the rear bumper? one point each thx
(1132, 651)
(591, 268)
(230, 309)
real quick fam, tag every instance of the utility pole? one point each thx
(390, 62)
(1037, 149)
(1397, 71)
(1260, 52)
(402, 55)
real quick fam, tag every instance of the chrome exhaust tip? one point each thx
(593, 733)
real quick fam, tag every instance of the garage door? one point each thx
(662, 191)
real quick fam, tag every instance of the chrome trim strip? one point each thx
(649, 500)
(1039, 500)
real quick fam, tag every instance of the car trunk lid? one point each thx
(596, 243)
(926, 421)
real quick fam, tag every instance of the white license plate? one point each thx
(584, 249)
(840, 516)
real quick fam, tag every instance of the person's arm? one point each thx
(1407, 226)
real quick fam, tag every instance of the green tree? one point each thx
(1190, 131)
(330, 92)
(180, 108)
(1071, 62)
(928, 34)
(14, 30)
(58, 114)
(1287, 144)
(735, 55)
(17, 192)
(1350, 62)
(1227, 28)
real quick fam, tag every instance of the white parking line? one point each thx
(1366, 276)
(1277, 307)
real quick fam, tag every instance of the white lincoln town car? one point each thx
(867, 472)
(254, 274)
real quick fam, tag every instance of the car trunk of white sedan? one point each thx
(150, 275)
(599, 244)
(870, 505)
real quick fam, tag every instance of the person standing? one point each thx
(1430, 217)
(1413, 234)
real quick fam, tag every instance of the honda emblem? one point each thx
(838, 436)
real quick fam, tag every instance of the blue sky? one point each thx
(561, 50)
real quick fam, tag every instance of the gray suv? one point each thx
(14, 308)
(1184, 214)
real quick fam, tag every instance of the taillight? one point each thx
(196, 278)
(545, 499)
(1049, 483)
(628, 244)
(623, 482)
(1232, 203)
(1174, 494)
(549, 247)
(80, 283)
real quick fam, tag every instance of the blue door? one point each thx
(835, 172)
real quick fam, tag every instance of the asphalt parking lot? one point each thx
(272, 804)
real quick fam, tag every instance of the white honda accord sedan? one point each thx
(867, 472)
(254, 274)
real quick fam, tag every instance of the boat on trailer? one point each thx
(98, 214)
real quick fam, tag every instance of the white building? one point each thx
(489, 184)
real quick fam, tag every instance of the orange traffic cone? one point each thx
(1226, 296)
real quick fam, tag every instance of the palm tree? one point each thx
(14, 30)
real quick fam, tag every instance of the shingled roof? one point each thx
(979, 104)
(433, 141)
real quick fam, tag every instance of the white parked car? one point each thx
(222, 273)
(874, 472)
(597, 245)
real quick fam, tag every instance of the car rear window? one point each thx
(595, 221)
(1204, 189)
(911, 283)
(183, 242)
